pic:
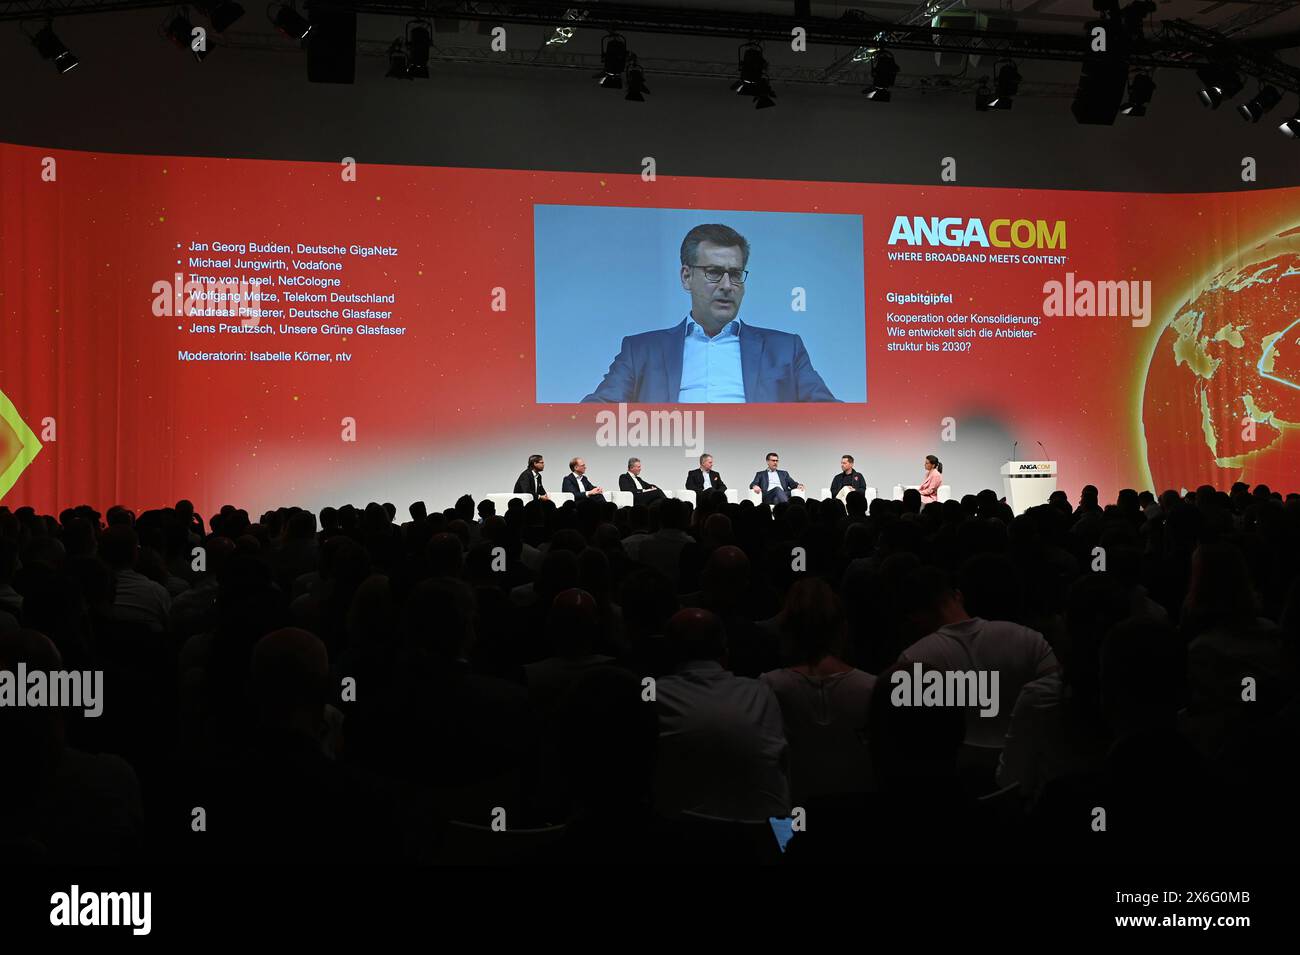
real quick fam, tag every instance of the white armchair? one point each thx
(870, 494)
(945, 492)
(502, 499)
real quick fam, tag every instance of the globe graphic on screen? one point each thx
(1222, 395)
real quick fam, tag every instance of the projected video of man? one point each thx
(711, 356)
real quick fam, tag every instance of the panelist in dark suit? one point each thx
(774, 484)
(530, 482)
(577, 483)
(643, 492)
(848, 477)
(696, 479)
(710, 356)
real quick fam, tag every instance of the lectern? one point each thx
(1028, 483)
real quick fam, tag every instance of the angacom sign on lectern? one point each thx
(1028, 483)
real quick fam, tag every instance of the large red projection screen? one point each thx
(1140, 341)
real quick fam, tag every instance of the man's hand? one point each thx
(756, 488)
(545, 497)
(801, 487)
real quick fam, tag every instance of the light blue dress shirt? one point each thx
(711, 367)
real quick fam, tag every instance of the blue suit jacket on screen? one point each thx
(775, 367)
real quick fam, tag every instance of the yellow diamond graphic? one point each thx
(14, 460)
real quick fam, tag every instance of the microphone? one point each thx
(1014, 444)
(1044, 450)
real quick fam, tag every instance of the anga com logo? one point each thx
(962, 233)
(18, 445)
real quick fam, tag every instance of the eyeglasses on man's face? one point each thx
(713, 274)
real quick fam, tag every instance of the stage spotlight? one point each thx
(397, 68)
(220, 13)
(1006, 85)
(290, 22)
(752, 68)
(1221, 82)
(1291, 127)
(884, 71)
(419, 40)
(1140, 89)
(1259, 104)
(763, 95)
(180, 30)
(636, 88)
(50, 47)
(613, 61)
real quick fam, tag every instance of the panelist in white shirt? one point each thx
(577, 483)
(774, 484)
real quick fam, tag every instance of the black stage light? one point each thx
(613, 61)
(397, 61)
(1259, 104)
(1006, 85)
(763, 95)
(221, 13)
(50, 47)
(419, 41)
(636, 88)
(180, 30)
(1220, 82)
(1140, 89)
(752, 68)
(290, 22)
(884, 71)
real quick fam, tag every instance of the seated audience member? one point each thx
(573, 625)
(921, 808)
(822, 698)
(960, 642)
(722, 746)
(285, 798)
(60, 805)
(11, 601)
(136, 598)
(662, 550)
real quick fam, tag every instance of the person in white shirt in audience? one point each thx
(722, 745)
(958, 641)
(136, 598)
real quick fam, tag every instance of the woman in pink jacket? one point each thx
(930, 486)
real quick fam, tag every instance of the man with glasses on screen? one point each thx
(711, 356)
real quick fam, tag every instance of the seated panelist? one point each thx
(848, 479)
(530, 482)
(704, 477)
(579, 485)
(643, 492)
(774, 484)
